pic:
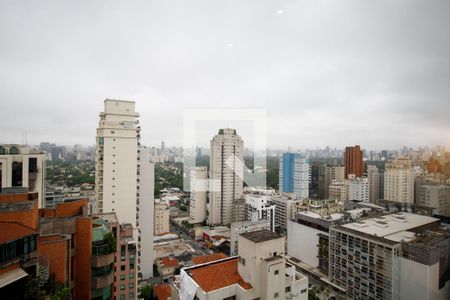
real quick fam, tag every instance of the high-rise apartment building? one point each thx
(258, 207)
(161, 219)
(116, 171)
(434, 196)
(331, 173)
(399, 181)
(358, 188)
(396, 256)
(294, 175)
(22, 166)
(353, 161)
(226, 175)
(338, 190)
(373, 177)
(198, 195)
(285, 209)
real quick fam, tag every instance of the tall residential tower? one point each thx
(353, 161)
(116, 169)
(294, 175)
(226, 174)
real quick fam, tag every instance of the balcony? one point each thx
(102, 260)
(102, 281)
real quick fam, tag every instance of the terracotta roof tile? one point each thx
(10, 231)
(162, 291)
(218, 275)
(170, 262)
(207, 258)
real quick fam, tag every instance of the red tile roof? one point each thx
(12, 231)
(207, 258)
(170, 262)
(162, 291)
(218, 275)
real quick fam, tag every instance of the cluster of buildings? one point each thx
(91, 256)
(97, 248)
(77, 152)
(360, 229)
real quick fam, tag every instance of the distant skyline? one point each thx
(374, 73)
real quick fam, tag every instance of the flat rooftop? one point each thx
(109, 217)
(261, 235)
(390, 226)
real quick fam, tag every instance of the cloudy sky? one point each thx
(376, 73)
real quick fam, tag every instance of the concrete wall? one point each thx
(146, 213)
(418, 281)
(83, 246)
(302, 243)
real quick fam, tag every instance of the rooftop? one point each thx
(261, 235)
(217, 275)
(208, 258)
(109, 217)
(162, 291)
(10, 231)
(388, 225)
(168, 261)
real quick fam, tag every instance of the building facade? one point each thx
(22, 166)
(146, 213)
(241, 227)
(294, 175)
(198, 195)
(258, 207)
(353, 161)
(434, 196)
(358, 188)
(373, 176)
(116, 170)
(285, 209)
(162, 219)
(332, 173)
(226, 175)
(396, 256)
(399, 181)
(259, 272)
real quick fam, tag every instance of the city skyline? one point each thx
(326, 73)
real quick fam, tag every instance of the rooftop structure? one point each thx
(261, 236)
(387, 225)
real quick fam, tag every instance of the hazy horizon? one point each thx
(374, 73)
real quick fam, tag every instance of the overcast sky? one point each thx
(375, 73)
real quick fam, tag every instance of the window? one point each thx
(131, 295)
(242, 260)
(122, 253)
(13, 150)
(122, 297)
(122, 287)
(122, 277)
(122, 268)
(277, 272)
(276, 295)
(131, 285)
(131, 275)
